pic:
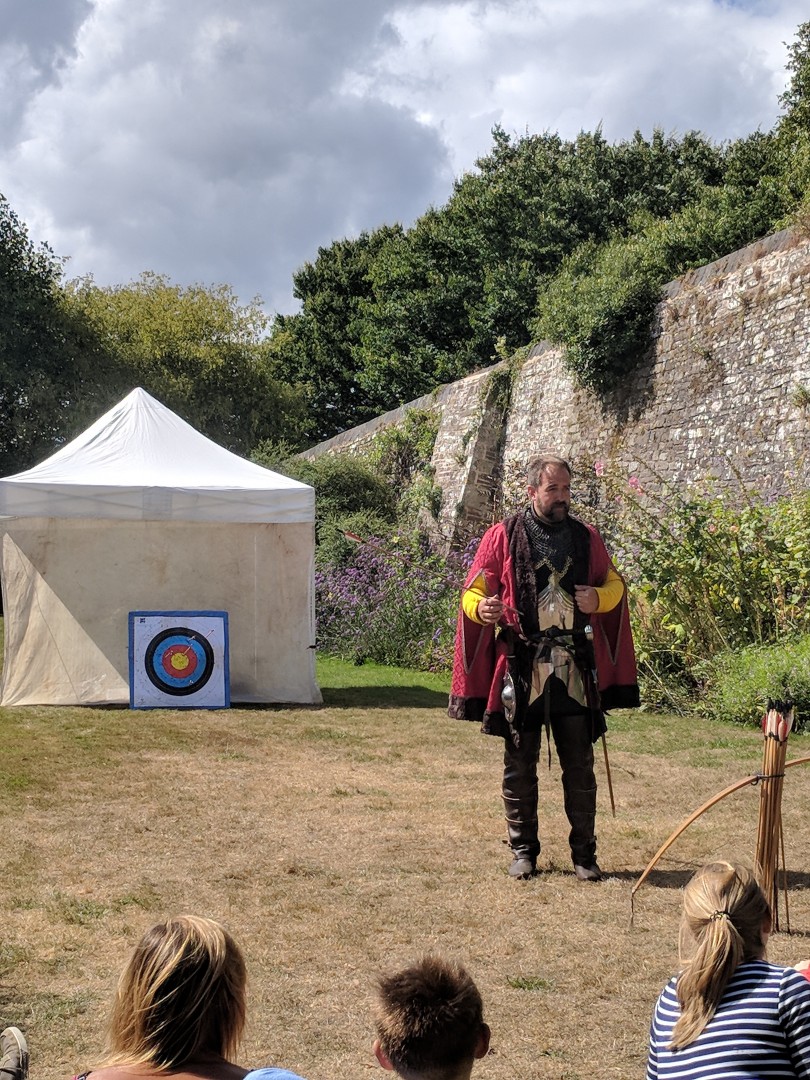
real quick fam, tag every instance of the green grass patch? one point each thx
(371, 685)
(11, 955)
(738, 684)
(55, 1008)
(529, 982)
(329, 734)
(76, 911)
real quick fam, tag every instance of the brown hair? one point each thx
(181, 993)
(429, 1019)
(724, 914)
(538, 465)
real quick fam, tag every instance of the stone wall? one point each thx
(724, 390)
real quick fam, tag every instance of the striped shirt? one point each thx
(761, 1029)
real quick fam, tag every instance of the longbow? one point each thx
(753, 779)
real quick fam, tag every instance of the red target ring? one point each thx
(179, 661)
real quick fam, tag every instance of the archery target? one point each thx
(179, 659)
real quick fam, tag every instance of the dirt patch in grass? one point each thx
(336, 841)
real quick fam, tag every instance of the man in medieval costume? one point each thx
(544, 641)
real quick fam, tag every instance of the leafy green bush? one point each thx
(401, 454)
(276, 454)
(708, 575)
(736, 685)
(728, 575)
(345, 486)
(600, 307)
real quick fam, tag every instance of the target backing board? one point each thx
(178, 660)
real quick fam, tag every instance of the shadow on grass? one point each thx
(676, 879)
(383, 697)
(659, 879)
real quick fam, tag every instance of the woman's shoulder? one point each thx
(763, 973)
(668, 998)
(765, 968)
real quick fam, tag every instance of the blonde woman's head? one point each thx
(182, 994)
(723, 899)
(726, 921)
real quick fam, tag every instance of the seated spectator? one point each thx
(430, 1022)
(180, 1007)
(729, 1013)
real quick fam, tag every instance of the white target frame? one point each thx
(179, 660)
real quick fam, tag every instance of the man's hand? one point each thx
(587, 599)
(490, 609)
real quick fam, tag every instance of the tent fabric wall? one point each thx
(69, 581)
(68, 587)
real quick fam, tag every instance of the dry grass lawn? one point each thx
(340, 840)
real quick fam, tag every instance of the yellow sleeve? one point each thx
(472, 597)
(610, 591)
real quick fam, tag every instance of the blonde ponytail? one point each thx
(724, 915)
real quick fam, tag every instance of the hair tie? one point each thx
(715, 915)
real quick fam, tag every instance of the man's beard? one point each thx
(557, 512)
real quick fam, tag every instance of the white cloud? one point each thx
(221, 142)
(567, 67)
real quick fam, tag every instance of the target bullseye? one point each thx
(179, 661)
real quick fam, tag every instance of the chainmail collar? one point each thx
(549, 542)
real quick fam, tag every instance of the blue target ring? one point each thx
(179, 661)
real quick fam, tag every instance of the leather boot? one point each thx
(520, 799)
(572, 736)
(580, 809)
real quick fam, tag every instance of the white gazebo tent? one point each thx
(143, 513)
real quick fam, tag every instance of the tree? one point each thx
(795, 101)
(794, 127)
(199, 351)
(318, 347)
(600, 303)
(50, 376)
(415, 326)
(465, 276)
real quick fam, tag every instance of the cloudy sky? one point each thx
(226, 140)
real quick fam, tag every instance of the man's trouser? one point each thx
(572, 738)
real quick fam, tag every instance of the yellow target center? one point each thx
(179, 661)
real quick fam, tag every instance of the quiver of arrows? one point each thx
(777, 724)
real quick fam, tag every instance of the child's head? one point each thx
(182, 993)
(726, 921)
(723, 901)
(430, 1021)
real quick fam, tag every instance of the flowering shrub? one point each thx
(393, 602)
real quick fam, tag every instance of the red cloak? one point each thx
(481, 656)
